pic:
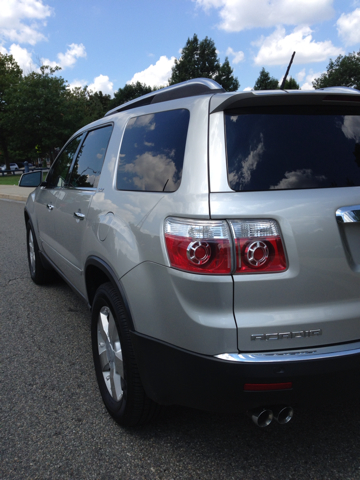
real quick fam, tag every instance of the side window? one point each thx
(152, 152)
(89, 161)
(57, 176)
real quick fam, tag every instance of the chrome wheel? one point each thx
(32, 258)
(110, 353)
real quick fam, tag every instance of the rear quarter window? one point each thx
(152, 152)
(292, 148)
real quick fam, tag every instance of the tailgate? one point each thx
(297, 166)
(316, 301)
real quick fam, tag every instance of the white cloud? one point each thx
(309, 78)
(77, 83)
(20, 20)
(238, 56)
(102, 83)
(155, 75)
(67, 59)
(248, 89)
(301, 75)
(237, 15)
(348, 27)
(72, 54)
(277, 48)
(22, 57)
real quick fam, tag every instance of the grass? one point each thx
(9, 179)
(13, 179)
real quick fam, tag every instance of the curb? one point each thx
(13, 192)
(9, 196)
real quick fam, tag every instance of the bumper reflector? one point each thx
(258, 387)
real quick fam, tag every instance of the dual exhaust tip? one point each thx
(263, 416)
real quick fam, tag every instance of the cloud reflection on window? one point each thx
(299, 179)
(152, 152)
(351, 127)
(241, 177)
(151, 173)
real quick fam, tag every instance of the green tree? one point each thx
(10, 76)
(265, 82)
(41, 116)
(100, 98)
(84, 106)
(344, 71)
(200, 59)
(291, 84)
(130, 92)
(44, 112)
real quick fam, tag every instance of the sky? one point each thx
(106, 44)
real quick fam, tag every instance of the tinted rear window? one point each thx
(152, 152)
(292, 148)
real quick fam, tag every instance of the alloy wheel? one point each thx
(110, 353)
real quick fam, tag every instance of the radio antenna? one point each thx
(287, 72)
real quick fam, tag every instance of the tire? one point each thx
(115, 366)
(38, 273)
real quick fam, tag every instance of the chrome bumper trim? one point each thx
(293, 355)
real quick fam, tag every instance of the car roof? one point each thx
(222, 99)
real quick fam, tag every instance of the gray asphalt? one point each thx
(54, 425)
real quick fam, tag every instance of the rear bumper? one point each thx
(171, 375)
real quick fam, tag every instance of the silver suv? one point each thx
(216, 238)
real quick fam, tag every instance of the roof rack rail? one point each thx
(190, 88)
(339, 90)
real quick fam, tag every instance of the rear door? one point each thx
(71, 214)
(297, 166)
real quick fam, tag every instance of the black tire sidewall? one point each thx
(106, 295)
(38, 275)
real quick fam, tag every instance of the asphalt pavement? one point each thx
(55, 426)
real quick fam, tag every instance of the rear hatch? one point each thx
(292, 163)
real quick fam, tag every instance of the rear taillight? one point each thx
(258, 245)
(211, 247)
(198, 246)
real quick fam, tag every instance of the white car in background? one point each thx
(13, 166)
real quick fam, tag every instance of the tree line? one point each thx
(39, 112)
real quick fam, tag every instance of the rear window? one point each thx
(291, 148)
(152, 152)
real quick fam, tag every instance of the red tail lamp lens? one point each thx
(198, 246)
(259, 247)
(207, 246)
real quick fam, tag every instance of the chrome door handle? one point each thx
(49, 206)
(79, 215)
(348, 214)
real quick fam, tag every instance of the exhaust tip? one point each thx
(262, 417)
(283, 415)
